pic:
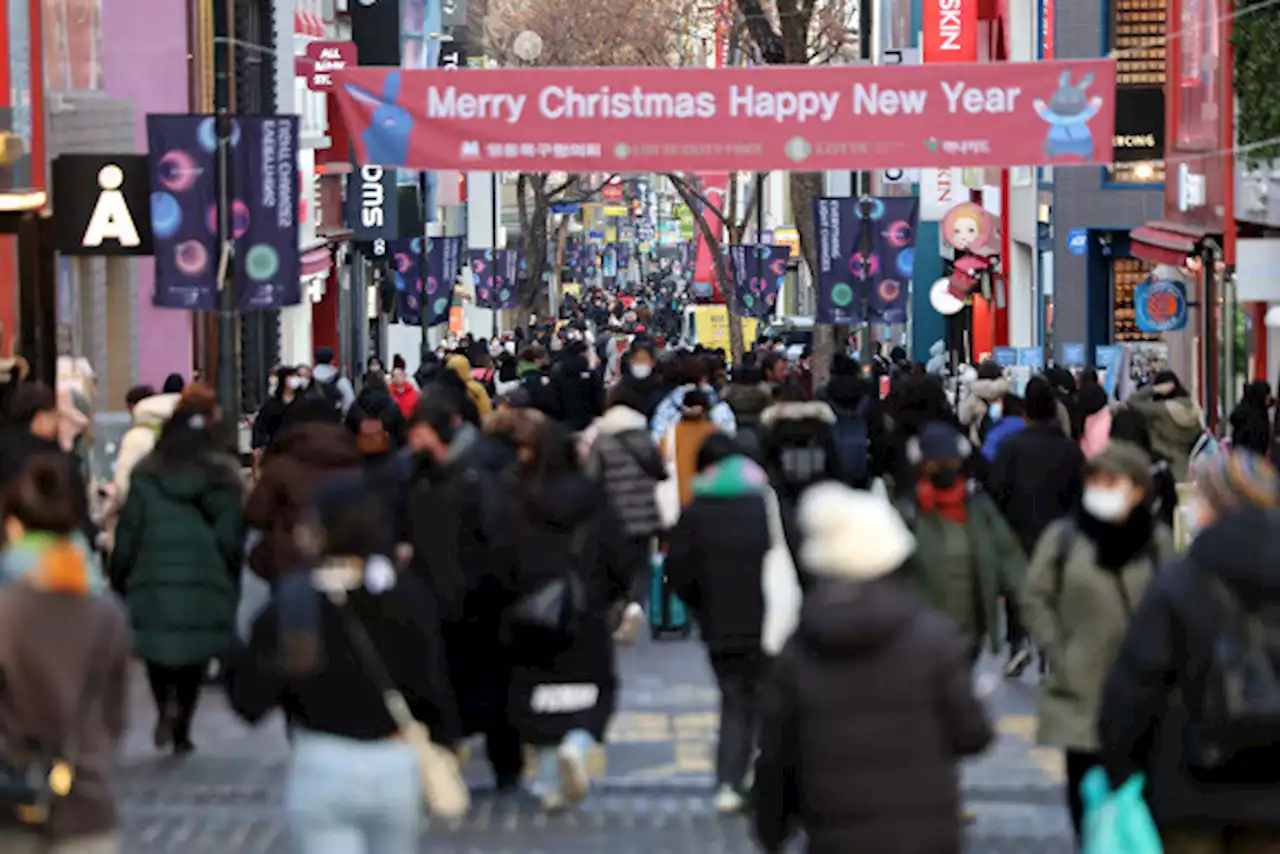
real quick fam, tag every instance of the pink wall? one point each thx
(144, 60)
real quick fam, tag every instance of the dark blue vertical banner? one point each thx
(893, 239)
(623, 251)
(506, 293)
(482, 266)
(265, 213)
(406, 266)
(840, 289)
(444, 259)
(184, 210)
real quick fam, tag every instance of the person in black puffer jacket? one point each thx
(855, 402)
(1156, 707)
(870, 706)
(749, 396)
(715, 561)
(376, 420)
(578, 390)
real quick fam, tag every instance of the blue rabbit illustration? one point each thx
(386, 139)
(1068, 113)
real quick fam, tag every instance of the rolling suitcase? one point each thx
(667, 613)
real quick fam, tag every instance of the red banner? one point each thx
(807, 118)
(950, 31)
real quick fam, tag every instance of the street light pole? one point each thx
(228, 316)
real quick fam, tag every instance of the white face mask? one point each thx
(641, 372)
(996, 411)
(1108, 505)
(297, 383)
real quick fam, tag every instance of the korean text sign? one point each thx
(758, 118)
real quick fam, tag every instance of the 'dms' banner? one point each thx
(732, 119)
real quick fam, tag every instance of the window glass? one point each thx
(1198, 61)
(72, 45)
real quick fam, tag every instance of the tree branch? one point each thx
(687, 192)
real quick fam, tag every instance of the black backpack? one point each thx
(331, 393)
(852, 435)
(1236, 728)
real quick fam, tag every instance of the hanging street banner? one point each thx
(893, 239)
(840, 281)
(406, 266)
(758, 118)
(183, 193)
(758, 271)
(268, 262)
(495, 271)
(444, 260)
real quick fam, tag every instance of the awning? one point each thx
(317, 262)
(1165, 243)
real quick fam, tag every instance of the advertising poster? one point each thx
(406, 266)
(718, 120)
(183, 194)
(444, 260)
(265, 213)
(758, 271)
(840, 286)
(893, 240)
(495, 273)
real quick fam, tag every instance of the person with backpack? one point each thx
(327, 380)
(986, 386)
(859, 429)
(1171, 705)
(1088, 573)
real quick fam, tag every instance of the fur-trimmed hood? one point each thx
(748, 400)
(982, 393)
(808, 410)
(851, 534)
(620, 419)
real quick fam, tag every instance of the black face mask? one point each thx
(945, 478)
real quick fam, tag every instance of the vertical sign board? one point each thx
(950, 34)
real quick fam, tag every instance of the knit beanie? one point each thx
(1123, 459)
(1236, 480)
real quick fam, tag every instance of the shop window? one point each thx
(72, 45)
(1138, 28)
(1144, 172)
(1198, 58)
(1127, 275)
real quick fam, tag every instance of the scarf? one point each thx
(53, 564)
(949, 503)
(1116, 544)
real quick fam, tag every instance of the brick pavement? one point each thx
(654, 796)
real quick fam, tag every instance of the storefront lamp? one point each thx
(1144, 171)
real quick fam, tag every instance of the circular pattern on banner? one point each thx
(432, 285)
(874, 207)
(416, 245)
(239, 219)
(261, 262)
(191, 257)
(889, 289)
(177, 171)
(504, 294)
(207, 134)
(842, 295)
(899, 234)
(402, 262)
(872, 266)
(166, 214)
(906, 262)
(440, 306)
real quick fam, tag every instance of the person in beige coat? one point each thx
(1086, 576)
(150, 411)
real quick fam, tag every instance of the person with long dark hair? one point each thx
(1174, 419)
(178, 549)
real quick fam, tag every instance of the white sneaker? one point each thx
(574, 780)
(629, 629)
(728, 801)
(552, 799)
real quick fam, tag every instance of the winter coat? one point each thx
(974, 406)
(299, 460)
(1158, 677)
(627, 465)
(178, 550)
(1077, 620)
(1037, 478)
(850, 395)
(965, 576)
(18, 445)
(377, 404)
(322, 375)
(406, 398)
(149, 415)
(1001, 430)
(800, 450)
(555, 517)
(866, 715)
(1176, 424)
(650, 390)
(716, 553)
(579, 393)
(1251, 428)
(670, 411)
(459, 365)
(687, 436)
(1096, 433)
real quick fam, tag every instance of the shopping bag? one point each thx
(1117, 822)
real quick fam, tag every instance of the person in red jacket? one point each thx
(403, 392)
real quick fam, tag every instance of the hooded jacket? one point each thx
(459, 365)
(982, 393)
(716, 553)
(870, 706)
(178, 550)
(299, 460)
(627, 465)
(1157, 681)
(149, 416)
(405, 396)
(327, 374)
(1176, 424)
(562, 524)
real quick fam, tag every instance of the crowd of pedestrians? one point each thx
(454, 556)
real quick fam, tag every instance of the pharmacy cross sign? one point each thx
(323, 59)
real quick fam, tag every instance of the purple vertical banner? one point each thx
(893, 237)
(573, 259)
(444, 259)
(840, 273)
(624, 255)
(184, 210)
(264, 213)
(506, 292)
(481, 262)
(758, 271)
(406, 266)
(739, 260)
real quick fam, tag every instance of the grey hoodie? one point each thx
(324, 374)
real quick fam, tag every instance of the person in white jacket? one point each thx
(150, 411)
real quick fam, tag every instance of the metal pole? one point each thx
(493, 217)
(228, 316)
(760, 312)
(864, 239)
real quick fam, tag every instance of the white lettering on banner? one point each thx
(887, 102)
(372, 195)
(564, 699)
(950, 24)
(974, 101)
(565, 102)
(111, 218)
(451, 105)
(782, 106)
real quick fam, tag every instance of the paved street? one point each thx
(654, 795)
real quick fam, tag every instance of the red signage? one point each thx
(322, 60)
(807, 118)
(611, 193)
(1047, 37)
(950, 29)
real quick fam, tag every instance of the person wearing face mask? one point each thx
(289, 385)
(1088, 573)
(967, 556)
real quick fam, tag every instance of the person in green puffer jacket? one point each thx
(967, 557)
(178, 552)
